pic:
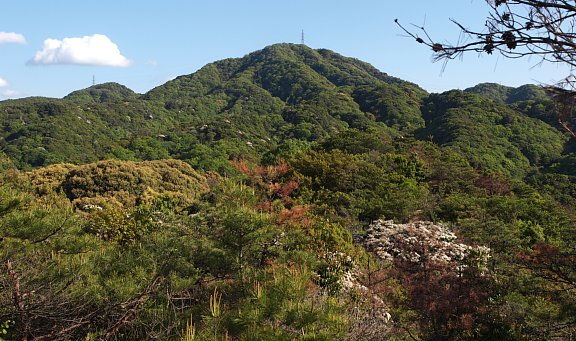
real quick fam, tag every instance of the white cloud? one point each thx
(12, 37)
(96, 50)
(11, 93)
(3, 82)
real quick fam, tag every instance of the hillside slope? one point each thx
(246, 107)
(241, 106)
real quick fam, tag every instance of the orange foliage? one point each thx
(276, 192)
(264, 172)
(552, 264)
(269, 180)
(296, 214)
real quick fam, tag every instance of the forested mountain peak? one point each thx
(248, 106)
(282, 92)
(101, 93)
(275, 64)
(509, 95)
(492, 135)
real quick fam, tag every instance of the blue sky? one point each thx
(51, 48)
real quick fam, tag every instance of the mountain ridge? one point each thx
(248, 106)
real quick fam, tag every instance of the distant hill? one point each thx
(103, 93)
(241, 106)
(303, 93)
(490, 134)
(509, 95)
(529, 99)
(245, 107)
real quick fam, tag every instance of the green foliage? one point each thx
(72, 274)
(491, 136)
(148, 148)
(39, 131)
(122, 226)
(130, 183)
(561, 186)
(397, 106)
(281, 92)
(285, 151)
(5, 328)
(496, 92)
(102, 93)
(247, 219)
(365, 186)
(505, 94)
(290, 306)
(353, 141)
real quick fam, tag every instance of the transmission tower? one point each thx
(302, 38)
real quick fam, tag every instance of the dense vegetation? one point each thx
(247, 201)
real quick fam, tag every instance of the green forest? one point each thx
(291, 194)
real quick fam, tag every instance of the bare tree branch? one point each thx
(18, 301)
(134, 305)
(517, 29)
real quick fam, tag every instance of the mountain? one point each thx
(490, 134)
(303, 93)
(509, 95)
(102, 93)
(240, 106)
(245, 107)
(42, 131)
(291, 194)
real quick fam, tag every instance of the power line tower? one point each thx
(93, 80)
(302, 38)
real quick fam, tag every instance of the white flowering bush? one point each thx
(423, 242)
